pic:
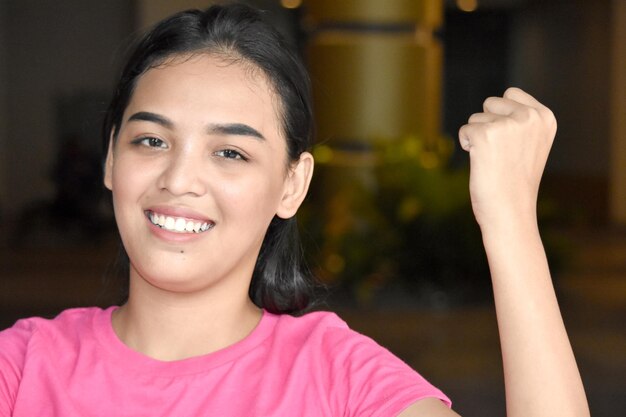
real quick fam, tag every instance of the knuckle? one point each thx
(488, 132)
(510, 123)
(549, 116)
(528, 115)
(489, 101)
(473, 118)
(510, 92)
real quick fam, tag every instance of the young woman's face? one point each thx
(198, 171)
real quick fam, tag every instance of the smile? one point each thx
(178, 224)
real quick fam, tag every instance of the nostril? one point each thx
(182, 176)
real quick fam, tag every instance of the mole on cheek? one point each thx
(182, 251)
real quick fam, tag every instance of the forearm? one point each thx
(540, 371)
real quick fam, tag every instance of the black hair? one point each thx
(280, 282)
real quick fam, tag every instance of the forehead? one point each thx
(215, 85)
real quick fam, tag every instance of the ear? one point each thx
(296, 186)
(108, 165)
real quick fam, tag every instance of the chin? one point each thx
(167, 275)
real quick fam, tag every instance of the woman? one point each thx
(207, 161)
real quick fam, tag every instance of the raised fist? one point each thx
(508, 143)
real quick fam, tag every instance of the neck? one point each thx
(172, 326)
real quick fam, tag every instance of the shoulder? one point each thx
(328, 332)
(358, 371)
(28, 335)
(318, 321)
(321, 337)
(33, 337)
(320, 331)
(71, 320)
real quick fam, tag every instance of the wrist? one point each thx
(509, 225)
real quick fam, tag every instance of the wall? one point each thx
(151, 11)
(54, 50)
(59, 54)
(3, 109)
(560, 53)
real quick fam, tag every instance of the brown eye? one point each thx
(150, 142)
(230, 154)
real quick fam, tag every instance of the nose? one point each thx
(183, 174)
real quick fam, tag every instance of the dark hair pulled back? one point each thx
(280, 282)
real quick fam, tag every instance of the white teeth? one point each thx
(178, 224)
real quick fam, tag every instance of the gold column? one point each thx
(376, 72)
(376, 69)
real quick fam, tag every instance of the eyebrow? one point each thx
(238, 129)
(146, 116)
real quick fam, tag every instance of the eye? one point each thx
(150, 142)
(230, 154)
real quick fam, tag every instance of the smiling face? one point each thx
(198, 170)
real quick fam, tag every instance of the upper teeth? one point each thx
(178, 224)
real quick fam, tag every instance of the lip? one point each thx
(183, 212)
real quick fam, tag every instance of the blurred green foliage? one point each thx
(394, 214)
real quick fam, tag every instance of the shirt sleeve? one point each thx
(368, 380)
(14, 343)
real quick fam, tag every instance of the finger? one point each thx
(526, 99)
(501, 106)
(464, 140)
(482, 118)
(469, 133)
(520, 96)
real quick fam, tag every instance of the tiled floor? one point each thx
(457, 348)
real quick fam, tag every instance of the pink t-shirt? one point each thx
(313, 365)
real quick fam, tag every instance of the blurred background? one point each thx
(388, 225)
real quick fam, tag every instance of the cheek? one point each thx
(129, 181)
(129, 169)
(254, 196)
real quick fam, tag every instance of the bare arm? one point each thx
(508, 145)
